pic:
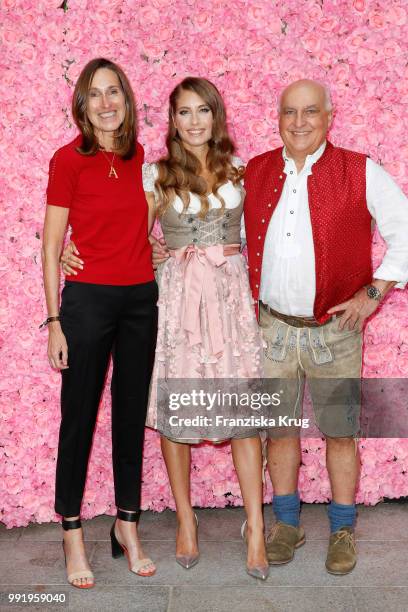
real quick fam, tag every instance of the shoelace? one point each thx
(273, 532)
(347, 538)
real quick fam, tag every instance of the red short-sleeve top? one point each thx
(108, 215)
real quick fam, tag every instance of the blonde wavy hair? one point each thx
(179, 172)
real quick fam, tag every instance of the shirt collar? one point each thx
(310, 160)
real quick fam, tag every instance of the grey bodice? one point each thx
(181, 229)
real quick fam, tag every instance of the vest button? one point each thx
(269, 205)
(259, 237)
(275, 190)
(258, 254)
(280, 176)
(291, 212)
(256, 270)
(257, 286)
(263, 220)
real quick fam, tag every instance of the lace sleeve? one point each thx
(237, 161)
(149, 176)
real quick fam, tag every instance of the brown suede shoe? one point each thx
(282, 541)
(342, 555)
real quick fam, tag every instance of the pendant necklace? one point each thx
(112, 171)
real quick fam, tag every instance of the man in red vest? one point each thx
(308, 212)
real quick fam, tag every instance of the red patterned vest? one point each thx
(341, 222)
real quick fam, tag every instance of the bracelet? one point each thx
(49, 320)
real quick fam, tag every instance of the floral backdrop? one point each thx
(249, 49)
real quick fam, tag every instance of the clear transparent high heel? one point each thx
(188, 561)
(261, 572)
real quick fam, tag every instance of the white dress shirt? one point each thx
(288, 280)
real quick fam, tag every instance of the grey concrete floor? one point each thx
(31, 562)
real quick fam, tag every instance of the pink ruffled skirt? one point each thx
(207, 326)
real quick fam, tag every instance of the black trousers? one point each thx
(99, 321)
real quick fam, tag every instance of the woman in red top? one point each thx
(95, 186)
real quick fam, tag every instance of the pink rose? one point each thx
(257, 13)
(329, 24)
(203, 20)
(356, 40)
(152, 50)
(101, 16)
(244, 96)
(10, 36)
(256, 127)
(74, 35)
(4, 264)
(340, 73)
(257, 45)
(27, 53)
(148, 14)
(396, 15)
(391, 48)
(10, 116)
(366, 56)
(376, 20)
(53, 32)
(8, 77)
(311, 42)
(396, 168)
(216, 67)
(237, 63)
(359, 5)
(375, 355)
(314, 12)
(357, 120)
(167, 70)
(390, 120)
(324, 57)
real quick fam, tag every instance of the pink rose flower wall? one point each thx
(249, 50)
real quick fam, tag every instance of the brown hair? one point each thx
(125, 136)
(179, 171)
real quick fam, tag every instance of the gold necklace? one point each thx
(112, 171)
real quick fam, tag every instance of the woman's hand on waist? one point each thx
(160, 252)
(70, 261)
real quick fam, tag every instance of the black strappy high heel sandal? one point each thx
(118, 549)
(76, 524)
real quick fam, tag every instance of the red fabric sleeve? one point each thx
(140, 151)
(62, 179)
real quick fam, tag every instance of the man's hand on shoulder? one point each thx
(361, 306)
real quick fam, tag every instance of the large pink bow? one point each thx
(200, 282)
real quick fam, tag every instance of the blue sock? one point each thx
(341, 515)
(287, 508)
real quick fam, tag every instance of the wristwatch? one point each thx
(373, 293)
